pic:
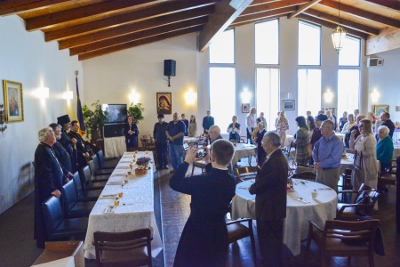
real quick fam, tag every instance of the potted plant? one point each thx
(94, 120)
(136, 111)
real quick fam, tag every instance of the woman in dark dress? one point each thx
(131, 133)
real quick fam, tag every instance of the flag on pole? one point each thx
(79, 112)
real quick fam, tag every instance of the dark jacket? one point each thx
(270, 188)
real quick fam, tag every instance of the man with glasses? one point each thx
(327, 153)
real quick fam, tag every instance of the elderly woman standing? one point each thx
(384, 148)
(234, 130)
(364, 149)
(282, 126)
(302, 142)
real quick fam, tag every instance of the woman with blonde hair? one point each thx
(192, 126)
(349, 124)
(365, 168)
(282, 126)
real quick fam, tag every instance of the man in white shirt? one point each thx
(251, 123)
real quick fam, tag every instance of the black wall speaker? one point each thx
(169, 67)
(114, 130)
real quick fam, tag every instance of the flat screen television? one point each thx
(117, 112)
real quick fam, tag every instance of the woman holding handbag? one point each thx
(365, 168)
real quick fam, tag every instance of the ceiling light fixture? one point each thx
(338, 35)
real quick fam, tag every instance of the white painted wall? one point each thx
(26, 58)
(386, 80)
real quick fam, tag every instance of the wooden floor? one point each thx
(172, 209)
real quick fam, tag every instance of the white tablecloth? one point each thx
(136, 207)
(243, 150)
(396, 151)
(114, 147)
(396, 136)
(187, 139)
(297, 214)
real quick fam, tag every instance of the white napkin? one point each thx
(243, 187)
(119, 174)
(115, 183)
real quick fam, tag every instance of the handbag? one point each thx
(360, 166)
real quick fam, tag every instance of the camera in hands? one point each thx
(201, 153)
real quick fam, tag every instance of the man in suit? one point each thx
(270, 190)
(385, 117)
(49, 179)
(79, 145)
(204, 240)
(65, 141)
(208, 121)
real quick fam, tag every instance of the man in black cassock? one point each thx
(79, 145)
(49, 179)
(65, 141)
(204, 240)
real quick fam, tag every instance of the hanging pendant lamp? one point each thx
(338, 35)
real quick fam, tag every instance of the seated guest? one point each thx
(384, 148)
(131, 133)
(302, 142)
(214, 133)
(48, 180)
(234, 130)
(61, 154)
(342, 121)
(186, 122)
(79, 145)
(192, 126)
(204, 240)
(349, 124)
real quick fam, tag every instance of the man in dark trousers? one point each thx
(79, 145)
(270, 190)
(161, 141)
(49, 179)
(204, 240)
(65, 141)
(208, 121)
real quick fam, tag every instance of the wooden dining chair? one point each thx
(241, 228)
(343, 239)
(131, 248)
(246, 173)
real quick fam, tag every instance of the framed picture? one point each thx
(288, 105)
(13, 101)
(246, 108)
(378, 109)
(397, 108)
(164, 103)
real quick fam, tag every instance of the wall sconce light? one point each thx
(43, 92)
(68, 95)
(190, 97)
(375, 95)
(245, 96)
(134, 97)
(328, 96)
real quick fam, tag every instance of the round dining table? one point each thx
(301, 208)
(243, 150)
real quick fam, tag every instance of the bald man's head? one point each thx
(214, 132)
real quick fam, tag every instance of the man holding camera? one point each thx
(204, 240)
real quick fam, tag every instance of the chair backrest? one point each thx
(69, 196)
(245, 173)
(124, 241)
(95, 162)
(78, 184)
(351, 231)
(85, 176)
(100, 158)
(53, 215)
(92, 167)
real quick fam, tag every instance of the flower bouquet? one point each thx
(142, 165)
(289, 185)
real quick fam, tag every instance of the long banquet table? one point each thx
(298, 212)
(136, 207)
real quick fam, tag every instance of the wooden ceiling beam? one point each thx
(57, 18)
(362, 13)
(256, 20)
(264, 15)
(11, 7)
(388, 40)
(132, 44)
(147, 13)
(393, 4)
(261, 2)
(343, 22)
(134, 27)
(303, 8)
(331, 25)
(272, 6)
(223, 16)
(137, 35)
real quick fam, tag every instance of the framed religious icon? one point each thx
(378, 109)
(164, 103)
(288, 105)
(13, 101)
(246, 108)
